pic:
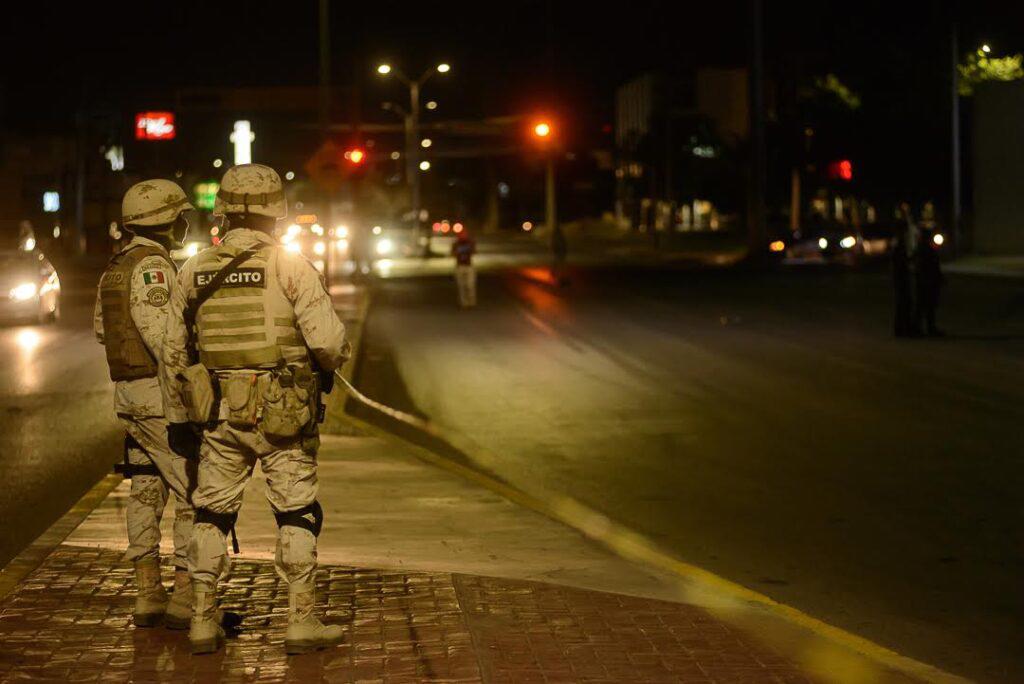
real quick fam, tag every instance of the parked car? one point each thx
(32, 287)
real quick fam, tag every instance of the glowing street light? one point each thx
(424, 165)
(443, 68)
(542, 129)
(426, 142)
(384, 69)
(986, 48)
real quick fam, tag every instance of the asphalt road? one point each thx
(58, 434)
(765, 427)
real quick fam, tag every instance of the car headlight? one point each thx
(938, 239)
(24, 291)
(848, 242)
(823, 243)
(385, 246)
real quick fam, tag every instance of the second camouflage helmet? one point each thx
(155, 202)
(251, 189)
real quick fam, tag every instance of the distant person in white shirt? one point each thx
(465, 275)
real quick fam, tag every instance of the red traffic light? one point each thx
(841, 170)
(355, 156)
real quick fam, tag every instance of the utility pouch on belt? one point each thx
(285, 407)
(240, 391)
(198, 394)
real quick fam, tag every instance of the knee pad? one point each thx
(225, 522)
(309, 517)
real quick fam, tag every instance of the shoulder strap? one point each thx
(218, 279)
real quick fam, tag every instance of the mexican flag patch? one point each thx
(153, 277)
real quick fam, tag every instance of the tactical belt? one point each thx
(129, 469)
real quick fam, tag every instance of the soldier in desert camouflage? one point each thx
(254, 321)
(131, 311)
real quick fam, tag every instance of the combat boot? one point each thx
(205, 633)
(150, 597)
(305, 632)
(179, 609)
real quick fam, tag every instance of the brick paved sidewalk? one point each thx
(71, 621)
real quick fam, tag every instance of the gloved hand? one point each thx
(183, 439)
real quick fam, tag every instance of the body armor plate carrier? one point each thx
(127, 354)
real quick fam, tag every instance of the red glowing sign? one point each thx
(841, 170)
(154, 126)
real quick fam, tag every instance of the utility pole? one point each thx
(758, 156)
(413, 153)
(550, 208)
(955, 205)
(324, 115)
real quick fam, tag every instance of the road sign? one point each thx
(326, 167)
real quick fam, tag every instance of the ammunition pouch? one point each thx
(309, 517)
(241, 394)
(198, 393)
(289, 403)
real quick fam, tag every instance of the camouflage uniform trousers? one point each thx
(149, 493)
(226, 463)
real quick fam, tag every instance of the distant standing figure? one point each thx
(929, 282)
(465, 275)
(902, 279)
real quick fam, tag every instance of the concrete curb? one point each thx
(33, 555)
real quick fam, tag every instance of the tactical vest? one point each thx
(248, 322)
(127, 354)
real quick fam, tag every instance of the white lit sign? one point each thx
(115, 155)
(242, 138)
(51, 201)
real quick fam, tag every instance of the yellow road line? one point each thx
(727, 596)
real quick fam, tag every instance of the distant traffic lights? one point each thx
(841, 170)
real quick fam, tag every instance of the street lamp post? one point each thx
(412, 128)
(543, 133)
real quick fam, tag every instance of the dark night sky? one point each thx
(506, 56)
(511, 56)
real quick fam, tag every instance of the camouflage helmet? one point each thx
(251, 189)
(155, 202)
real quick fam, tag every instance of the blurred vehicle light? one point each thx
(848, 242)
(938, 239)
(24, 291)
(823, 243)
(777, 246)
(385, 246)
